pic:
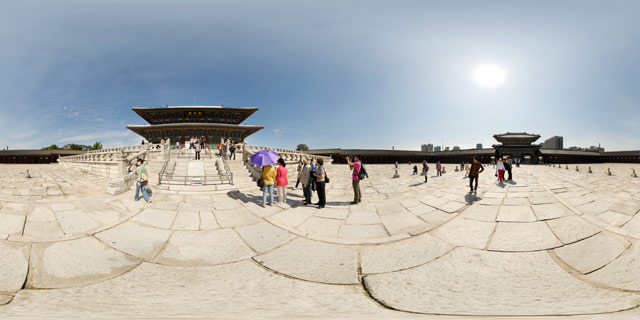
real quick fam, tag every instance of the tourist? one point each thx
(438, 169)
(141, 181)
(507, 167)
(305, 178)
(356, 165)
(320, 175)
(203, 142)
(466, 169)
(281, 180)
(268, 179)
(298, 170)
(474, 173)
(220, 149)
(425, 170)
(178, 145)
(233, 150)
(197, 146)
(415, 170)
(396, 164)
(500, 170)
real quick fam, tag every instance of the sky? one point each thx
(330, 74)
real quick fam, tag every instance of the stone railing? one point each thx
(289, 156)
(118, 164)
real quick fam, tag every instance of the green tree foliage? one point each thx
(51, 147)
(302, 147)
(96, 146)
(74, 146)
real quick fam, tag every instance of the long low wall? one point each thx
(103, 169)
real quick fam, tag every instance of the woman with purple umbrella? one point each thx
(265, 159)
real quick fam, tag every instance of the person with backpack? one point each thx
(425, 169)
(356, 165)
(141, 181)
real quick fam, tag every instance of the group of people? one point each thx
(313, 177)
(227, 145)
(503, 166)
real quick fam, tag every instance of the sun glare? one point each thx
(488, 75)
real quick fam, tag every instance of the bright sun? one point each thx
(488, 75)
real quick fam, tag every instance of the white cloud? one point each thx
(278, 131)
(96, 136)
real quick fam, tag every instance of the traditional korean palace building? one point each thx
(180, 123)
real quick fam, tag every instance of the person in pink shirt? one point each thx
(282, 180)
(356, 166)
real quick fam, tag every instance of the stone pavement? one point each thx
(555, 242)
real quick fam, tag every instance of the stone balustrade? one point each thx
(289, 156)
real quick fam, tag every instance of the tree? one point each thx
(74, 146)
(302, 147)
(96, 146)
(51, 147)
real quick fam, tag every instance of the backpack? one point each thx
(233, 149)
(363, 173)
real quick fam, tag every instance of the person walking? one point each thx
(305, 179)
(282, 181)
(268, 179)
(415, 170)
(356, 165)
(425, 170)
(507, 167)
(500, 170)
(141, 181)
(474, 172)
(220, 150)
(320, 175)
(299, 171)
(203, 143)
(439, 169)
(466, 169)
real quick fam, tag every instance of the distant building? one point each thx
(555, 143)
(446, 149)
(427, 147)
(437, 149)
(456, 148)
(479, 146)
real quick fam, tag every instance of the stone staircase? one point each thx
(201, 176)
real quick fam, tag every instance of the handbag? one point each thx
(260, 183)
(326, 177)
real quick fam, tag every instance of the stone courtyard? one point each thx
(554, 242)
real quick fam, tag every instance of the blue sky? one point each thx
(351, 74)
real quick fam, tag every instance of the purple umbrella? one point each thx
(264, 158)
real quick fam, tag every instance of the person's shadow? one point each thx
(470, 198)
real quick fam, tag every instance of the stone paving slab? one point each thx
(14, 265)
(531, 236)
(516, 214)
(264, 236)
(204, 248)
(623, 272)
(314, 261)
(136, 240)
(572, 228)
(11, 223)
(156, 218)
(76, 262)
(592, 253)
(362, 231)
(481, 213)
(402, 254)
(466, 233)
(551, 211)
(499, 284)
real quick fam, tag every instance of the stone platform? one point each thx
(554, 242)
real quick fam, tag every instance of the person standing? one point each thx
(141, 181)
(232, 149)
(299, 171)
(415, 170)
(305, 179)
(202, 143)
(281, 180)
(197, 146)
(320, 175)
(396, 164)
(466, 169)
(438, 169)
(500, 169)
(356, 165)
(507, 168)
(220, 149)
(425, 170)
(474, 172)
(268, 179)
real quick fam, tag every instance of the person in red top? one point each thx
(425, 169)
(356, 166)
(439, 168)
(282, 181)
